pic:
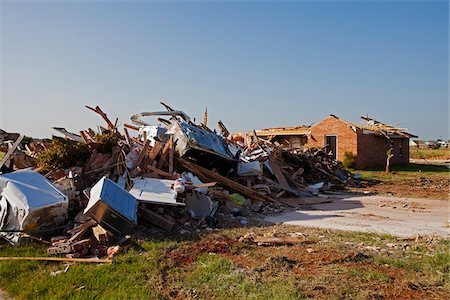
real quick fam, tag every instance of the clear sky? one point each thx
(253, 64)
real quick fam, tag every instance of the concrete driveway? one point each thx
(403, 217)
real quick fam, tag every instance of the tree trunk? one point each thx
(389, 155)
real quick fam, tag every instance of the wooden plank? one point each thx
(141, 154)
(60, 259)
(171, 151)
(11, 150)
(162, 173)
(128, 139)
(103, 115)
(155, 150)
(129, 126)
(208, 175)
(84, 137)
(165, 153)
(164, 222)
(100, 233)
(287, 240)
(278, 172)
(83, 226)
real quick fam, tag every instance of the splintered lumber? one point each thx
(69, 247)
(60, 259)
(141, 154)
(127, 138)
(278, 172)
(222, 127)
(205, 117)
(100, 233)
(287, 240)
(171, 152)
(131, 127)
(164, 222)
(103, 115)
(165, 153)
(299, 172)
(11, 150)
(162, 173)
(207, 175)
(82, 227)
(85, 137)
(155, 150)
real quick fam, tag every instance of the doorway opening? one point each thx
(331, 145)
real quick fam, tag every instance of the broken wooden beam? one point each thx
(11, 150)
(276, 168)
(103, 115)
(162, 173)
(208, 175)
(59, 259)
(164, 222)
(141, 154)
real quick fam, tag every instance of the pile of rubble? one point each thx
(96, 186)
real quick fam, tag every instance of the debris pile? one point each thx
(174, 175)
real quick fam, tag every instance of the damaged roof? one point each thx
(371, 126)
(386, 129)
(290, 130)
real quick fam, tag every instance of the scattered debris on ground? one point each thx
(98, 187)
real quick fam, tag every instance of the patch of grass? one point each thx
(369, 275)
(167, 269)
(1, 155)
(426, 262)
(218, 278)
(405, 171)
(412, 168)
(416, 153)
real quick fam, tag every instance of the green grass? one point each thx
(2, 154)
(369, 275)
(138, 274)
(416, 153)
(161, 270)
(405, 171)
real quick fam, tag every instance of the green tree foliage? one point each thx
(349, 160)
(64, 154)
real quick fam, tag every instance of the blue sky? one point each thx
(253, 64)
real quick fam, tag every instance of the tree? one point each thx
(389, 155)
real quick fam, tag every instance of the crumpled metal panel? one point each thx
(154, 190)
(112, 207)
(190, 136)
(30, 202)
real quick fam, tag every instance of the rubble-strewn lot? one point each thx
(82, 194)
(229, 263)
(174, 211)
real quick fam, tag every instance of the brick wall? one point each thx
(369, 149)
(372, 150)
(346, 137)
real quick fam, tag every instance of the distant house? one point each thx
(368, 143)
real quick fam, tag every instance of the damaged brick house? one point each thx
(368, 143)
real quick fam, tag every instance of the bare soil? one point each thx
(315, 266)
(421, 187)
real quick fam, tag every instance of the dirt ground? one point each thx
(315, 264)
(380, 214)
(4, 296)
(421, 187)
